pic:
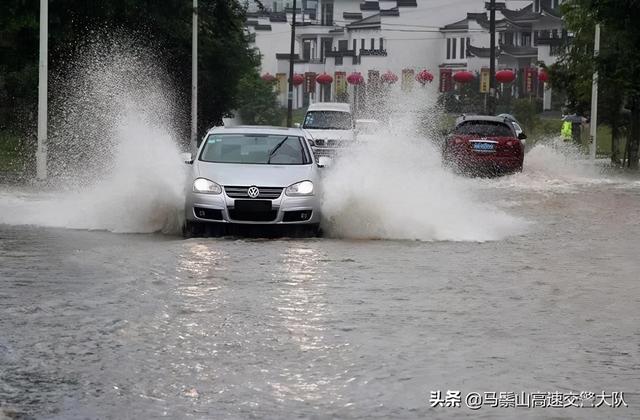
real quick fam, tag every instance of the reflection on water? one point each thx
(302, 308)
(96, 325)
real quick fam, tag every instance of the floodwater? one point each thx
(425, 282)
(96, 324)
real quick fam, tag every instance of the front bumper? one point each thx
(220, 208)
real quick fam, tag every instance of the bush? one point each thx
(257, 101)
(526, 112)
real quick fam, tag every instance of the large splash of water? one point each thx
(114, 161)
(393, 185)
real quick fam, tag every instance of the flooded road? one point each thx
(102, 325)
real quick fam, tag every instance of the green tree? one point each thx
(618, 65)
(165, 27)
(257, 101)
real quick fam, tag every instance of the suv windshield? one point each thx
(328, 120)
(263, 149)
(484, 129)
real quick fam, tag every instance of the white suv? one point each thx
(329, 126)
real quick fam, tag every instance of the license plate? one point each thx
(253, 205)
(484, 147)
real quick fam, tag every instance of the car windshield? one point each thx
(328, 120)
(265, 149)
(484, 129)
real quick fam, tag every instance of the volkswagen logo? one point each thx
(253, 192)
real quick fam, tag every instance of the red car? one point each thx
(484, 145)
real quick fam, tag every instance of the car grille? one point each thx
(268, 193)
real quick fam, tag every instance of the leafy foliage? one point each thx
(618, 65)
(257, 101)
(224, 53)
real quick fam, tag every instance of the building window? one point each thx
(381, 44)
(526, 39)
(448, 48)
(339, 61)
(462, 48)
(327, 13)
(306, 50)
(327, 45)
(362, 44)
(373, 44)
(453, 47)
(355, 45)
(343, 45)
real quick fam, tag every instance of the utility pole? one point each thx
(492, 6)
(593, 125)
(41, 152)
(194, 77)
(291, 51)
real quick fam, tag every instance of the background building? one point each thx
(403, 37)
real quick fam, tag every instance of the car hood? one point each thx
(261, 175)
(330, 134)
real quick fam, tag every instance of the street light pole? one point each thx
(492, 57)
(194, 76)
(291, 51)
(593, 124)
(41, 152)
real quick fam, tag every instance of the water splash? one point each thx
(553, 165)
(114, 161)
(394, 186)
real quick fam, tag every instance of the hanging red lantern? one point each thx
(297, 79)
(268, 77)
(463, 76)
(389, 77)
(505, 76)
(355, 78)
(424, 77)
(543, 76)
(324, 79)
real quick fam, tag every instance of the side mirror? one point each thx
(296, 125)
(186, 158)
(324, 161)
(522, 136)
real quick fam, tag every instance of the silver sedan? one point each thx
(253, 176)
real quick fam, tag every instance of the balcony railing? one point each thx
(365, 52)
(340, 53)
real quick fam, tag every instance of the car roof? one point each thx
(258, 129)
(330, 106)
(466, 118)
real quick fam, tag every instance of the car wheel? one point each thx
(192, 229)
(304, 231)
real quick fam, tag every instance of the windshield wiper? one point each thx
(275, 149)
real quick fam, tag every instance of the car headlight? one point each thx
(203, 185)
(300, 188)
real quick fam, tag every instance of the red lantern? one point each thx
(424, 77)
(543, 76)
(505, 76)
(298, 79)
(463, 76)
(324, 79)
(389, 77)
(268, 77)
(355, 78)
